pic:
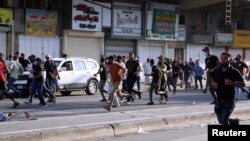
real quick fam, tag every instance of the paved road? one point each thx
(80, 104)
(81, 117)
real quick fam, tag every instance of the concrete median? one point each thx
(117, 126)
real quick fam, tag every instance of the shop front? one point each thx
(6, 16)
(242, 44)
(83, 44)
(126, 29)
(85, 38)
(40, 34)
(162, 31)
(119, 47)
(150, 49)
(200, 41)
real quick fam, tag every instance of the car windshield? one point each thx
(57, 62)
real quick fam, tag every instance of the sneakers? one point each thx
(115, 106)
(234, 121)
(52, 100)
(248, 96)
(44, 105)
(107, 108)
(103, 100)
(151, 103)
(139, 95)
(204, 91)
(27, 102)
(162, 101)
(16, 104)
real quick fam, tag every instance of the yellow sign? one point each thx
(40, 22)
(241, 39)
(6, 16)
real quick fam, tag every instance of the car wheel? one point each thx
(65, 93)
(92, 87)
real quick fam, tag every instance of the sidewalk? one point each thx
(86, 127)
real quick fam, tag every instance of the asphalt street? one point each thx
(81, 104)
(82, 117)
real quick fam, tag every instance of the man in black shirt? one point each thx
(24, 62)
(243, 69)
(211, 62)
(132, 67)
(225, 79)
(37, 82)
(156, 80)
(176, 70)
(103, 78)
(49, 68)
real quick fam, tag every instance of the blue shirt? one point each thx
(198, 71)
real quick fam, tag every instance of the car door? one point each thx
(67, 74)
(92, 66)
(81, 74)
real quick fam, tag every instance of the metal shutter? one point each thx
(119, 47)
(3, 43)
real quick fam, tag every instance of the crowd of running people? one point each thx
(15, 65)
(161, 76)
(121, 73)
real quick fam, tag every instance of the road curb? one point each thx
(81, 132)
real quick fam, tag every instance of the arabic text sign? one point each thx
(164, 21)
(6, 16)
(86, 16)
(127, 20)
(223, 39)
(241, 39)
(39, 22)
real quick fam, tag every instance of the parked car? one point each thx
(76, 73)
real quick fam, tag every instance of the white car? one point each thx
(75, 74)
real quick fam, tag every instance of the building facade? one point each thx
(93, 28)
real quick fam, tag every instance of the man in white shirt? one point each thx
(9, 63)
(147, 70)
(15, 70)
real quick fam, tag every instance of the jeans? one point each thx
(198, 78)
(11, 85)
(154, 87)
(138, 79)
(186, 78)
(131, 82)
(101, 88)
(37, 88)
(223, 109)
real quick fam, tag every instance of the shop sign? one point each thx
(127, 20)
(164, 22)
(40, 22)
(164, 26)
(86, 16)
(223, 39)
(203, 39)
(105, 3)
(181, 33)
(241, 39)
(6, 16)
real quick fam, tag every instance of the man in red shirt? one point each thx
(117, 72)
(3, 89)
